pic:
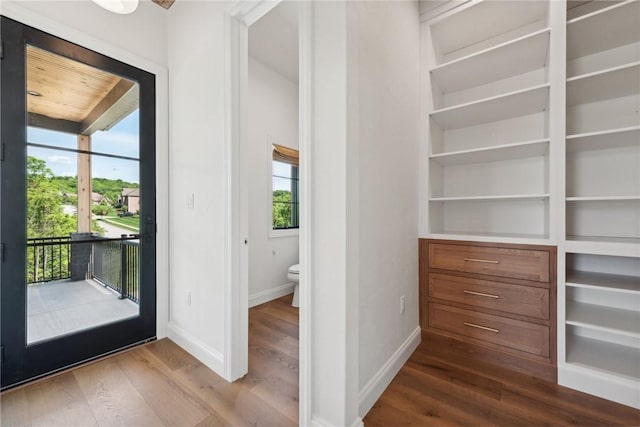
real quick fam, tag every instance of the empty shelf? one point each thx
(606, 139)
(604, 29)
(517, 197)
(614, 320)
(513, 104)
(484, 21)
(602, 198)
(607, 84)
(497, 153)
(603, 356)
(608, 282)
(527, 53)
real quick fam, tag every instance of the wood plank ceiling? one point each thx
(164, 3)
(69, 96)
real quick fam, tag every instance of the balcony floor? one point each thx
(60, 307)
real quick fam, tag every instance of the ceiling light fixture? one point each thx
(118, 6)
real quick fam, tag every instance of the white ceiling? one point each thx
(273, 39)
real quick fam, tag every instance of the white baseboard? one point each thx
(372, 391)
(319, 422)
(270, 294)
(210, 357)
(606, 386)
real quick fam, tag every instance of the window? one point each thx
(284, 207)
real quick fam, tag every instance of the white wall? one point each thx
(141, 33)
(198, 167)
(139, 39)
(273, 116)
(385, 79)
(334, 299)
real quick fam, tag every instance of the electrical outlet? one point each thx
(402, 305)
(188, 298)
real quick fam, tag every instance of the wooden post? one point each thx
(84, 185)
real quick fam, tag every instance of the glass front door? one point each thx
(78, 204)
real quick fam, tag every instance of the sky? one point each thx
(122, 140)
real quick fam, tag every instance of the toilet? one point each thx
(293, 274)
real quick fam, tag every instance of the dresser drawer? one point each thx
(524, 264)
(506, 297)
(515, 334)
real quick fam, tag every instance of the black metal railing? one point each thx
(112, 262)
(115, 265)
(48, 258)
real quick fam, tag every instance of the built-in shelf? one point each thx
(625, 240)
(485, 22)
(604, 29)
(601, 198)
(601, 318)
(606, 139)
(515, 57)
(496, 153)
(512, 104)
(611, 83)
(604, 357)
(577, 8)
(606, 282)
(597, 245)
(516, 197)
(540, 239)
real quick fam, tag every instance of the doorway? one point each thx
(78, 204)
(271, 166)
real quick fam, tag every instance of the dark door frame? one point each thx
(22, 362)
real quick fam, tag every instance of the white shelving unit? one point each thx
(532, 130)
(599, 257)
(488, 98)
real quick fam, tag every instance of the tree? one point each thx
(45, 216)
(46, 195)
(281, 209)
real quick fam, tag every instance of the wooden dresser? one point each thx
(491, 301)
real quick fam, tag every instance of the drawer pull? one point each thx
(480, 294)
(486, 261)
(486, 328)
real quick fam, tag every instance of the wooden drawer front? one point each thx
(507, 297)
(523, 336)
(505, 262)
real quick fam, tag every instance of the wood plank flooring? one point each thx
(160, 384)
(438, 387)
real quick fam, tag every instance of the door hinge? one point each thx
(2, 153)
(1, 49)
(1, 354)
(2, 252)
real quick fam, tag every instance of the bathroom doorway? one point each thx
(272, 170)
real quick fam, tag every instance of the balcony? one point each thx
(80, 282)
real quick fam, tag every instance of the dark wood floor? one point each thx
(160, 384)
(439, 388)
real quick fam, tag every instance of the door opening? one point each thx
(78, 204)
